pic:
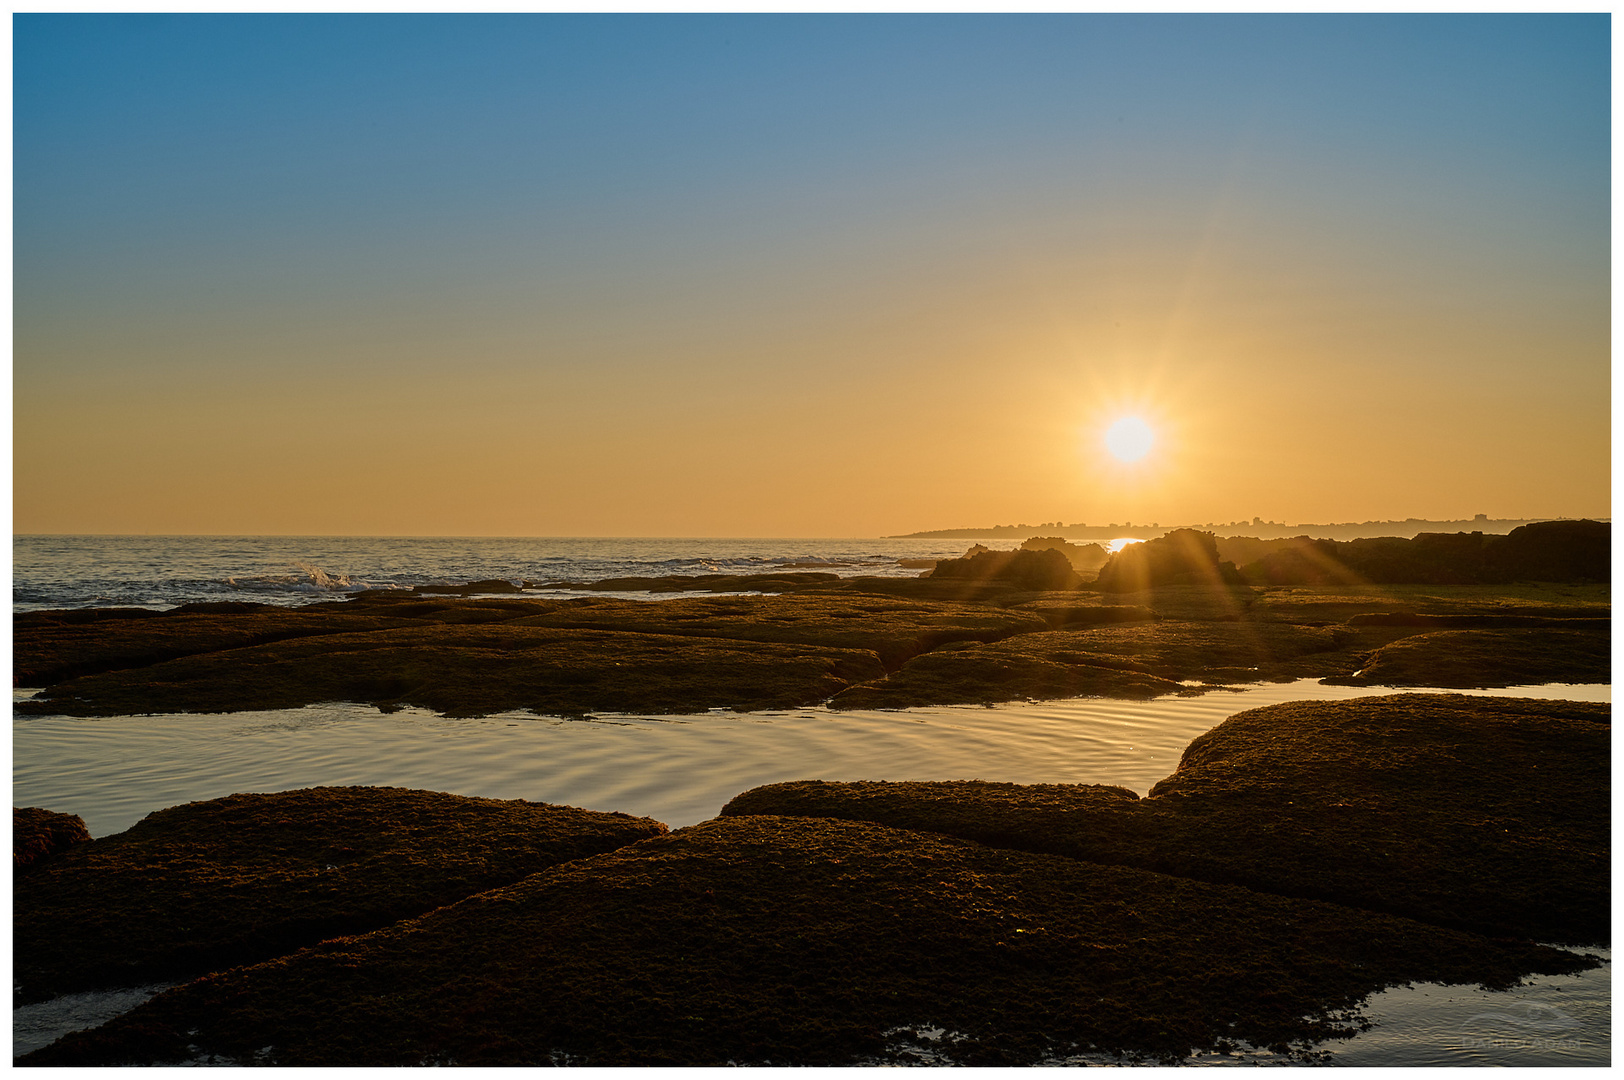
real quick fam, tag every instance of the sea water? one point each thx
(677, 769)
(164, 571)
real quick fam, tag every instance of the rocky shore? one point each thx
(853, 643)
(1299, 859)
(1302, 856)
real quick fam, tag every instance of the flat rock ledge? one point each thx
(1482, 814)
(208, 885)
(850, 643)
(796, 941)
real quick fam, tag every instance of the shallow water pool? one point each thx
(676, 769)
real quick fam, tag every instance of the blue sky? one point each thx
(738, 252)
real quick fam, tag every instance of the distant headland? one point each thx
(1257, 527)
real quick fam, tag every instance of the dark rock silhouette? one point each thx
(37, 834)
(1039, 571)
(1554, 551)
(1084, 558)
(1182, 557)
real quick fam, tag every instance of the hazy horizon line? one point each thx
(916, 534)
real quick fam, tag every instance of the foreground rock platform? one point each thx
(851, 642)
(1483, 814)
(796, 941)
(209, 885)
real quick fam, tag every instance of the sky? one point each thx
(814, 275)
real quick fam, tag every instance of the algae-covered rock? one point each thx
(1141, 660)
(475, 670)
(37, 833)
(555, 656)
(988, 675)
(1488, 814)
(208, 885)
(51, 646)
(801, 942)
(1317, 605)
(894, 629)
(1485, 658)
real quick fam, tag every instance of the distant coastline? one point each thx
(1257, 527)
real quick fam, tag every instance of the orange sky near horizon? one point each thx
(884, 307)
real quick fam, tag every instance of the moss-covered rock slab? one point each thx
(475, 670)
(802, 942)
(1489, 658)
(1137, 660)
(1017, 670)
(50, 646)
(208, 885)
(557, 656)
(1318, 605)
(1486, 814)
(894, 629)
(37, 833)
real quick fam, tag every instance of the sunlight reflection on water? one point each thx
(677, 769)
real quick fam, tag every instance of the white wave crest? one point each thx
(304, 579)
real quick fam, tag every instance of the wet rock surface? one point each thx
(796, 941)
(1486, 814)
(208, 885)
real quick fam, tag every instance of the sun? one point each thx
(1129, 439)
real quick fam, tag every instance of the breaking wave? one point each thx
(304, 578)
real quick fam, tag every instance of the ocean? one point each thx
(166, 571)
(678, 769)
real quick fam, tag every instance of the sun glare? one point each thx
(1129, 439)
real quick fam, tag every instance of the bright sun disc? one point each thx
(1129, 439)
